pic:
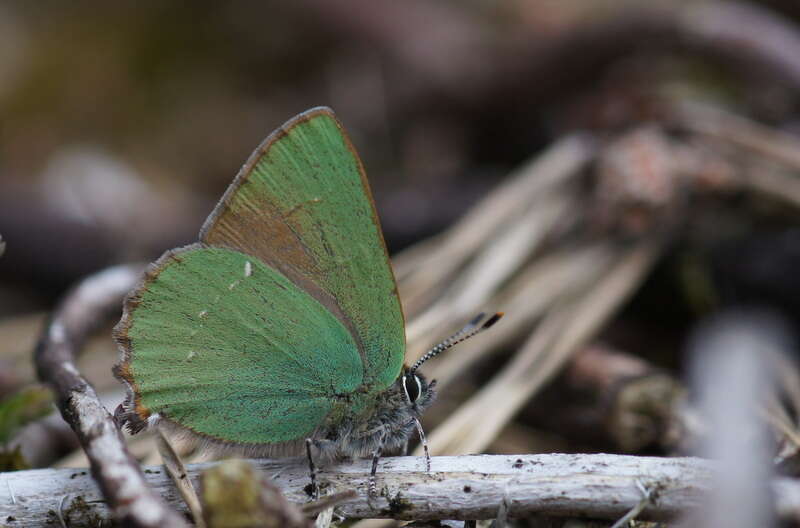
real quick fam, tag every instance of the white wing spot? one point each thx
(232, 285)
(248, 268)
(190, 355)
(202, 314)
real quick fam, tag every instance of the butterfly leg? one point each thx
(376, 455)
(424, 442)
(312, 471)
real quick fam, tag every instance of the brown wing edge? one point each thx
(132, 415)
(244, 173)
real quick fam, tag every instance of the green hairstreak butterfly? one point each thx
(281, 328)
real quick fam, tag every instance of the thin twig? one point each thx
(718, 123)
(177, 472)
(60, 511)
(636, 510)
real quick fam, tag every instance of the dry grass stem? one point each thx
(421, 274)
(177, 472)
(525, 299)
(740, 131)
(499, 259)
(564, 330)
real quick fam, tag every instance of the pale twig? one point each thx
(739, 131)
(324, 518)
(465, 487)
(177, 472)
(636, 510)
(11, 492)
(328, 501)
(770, 144)
(60, 512)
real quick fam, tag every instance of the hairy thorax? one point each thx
(388, 422)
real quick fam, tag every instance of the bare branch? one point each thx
(118, 474)
(464, 487)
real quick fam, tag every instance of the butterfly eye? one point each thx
(412, 386)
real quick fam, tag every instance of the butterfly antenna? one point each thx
(472, 328)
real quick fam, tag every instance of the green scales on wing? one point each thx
(285, 314)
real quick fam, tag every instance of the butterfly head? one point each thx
(417, 390)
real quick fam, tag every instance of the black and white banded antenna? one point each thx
(472, 328)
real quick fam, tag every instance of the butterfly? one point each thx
(281, 330)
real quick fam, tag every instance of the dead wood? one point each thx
(464, 487)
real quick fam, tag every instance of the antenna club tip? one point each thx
(493, 319)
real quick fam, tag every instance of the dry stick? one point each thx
(636, 510)
(328, 501)
(741, 132)
(466, 487)
(775, 184)
(420, 276)
(114, 469)
(776, 415)
(789, 379)
(525, 299)
(499, 259)
(598, 486)
(177, 472)
(43, 441)
(476, 423)
(622, 397)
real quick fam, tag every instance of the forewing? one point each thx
(302, 205)
(228, 348)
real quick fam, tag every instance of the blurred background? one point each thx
(676, 124)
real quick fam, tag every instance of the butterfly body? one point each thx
(387, 422)
(282, 323)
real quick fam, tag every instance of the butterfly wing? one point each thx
(302, 205)
(229, 348)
